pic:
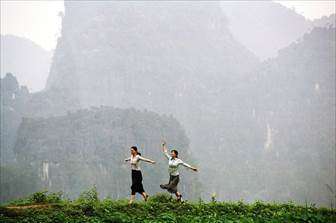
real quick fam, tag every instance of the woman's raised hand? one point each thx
(164, 148)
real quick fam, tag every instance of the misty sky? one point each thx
(40, 21)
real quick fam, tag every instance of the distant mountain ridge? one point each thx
(265, 27)
(255, 122)
(325, 21)
(297, 91)
(28, 61)
(130, 56)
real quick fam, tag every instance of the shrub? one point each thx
(39, 197)
(160, 208)
(161, 198)
(91, 195)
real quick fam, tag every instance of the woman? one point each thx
(173, 163)
(136, 173)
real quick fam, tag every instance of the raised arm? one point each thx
(188, 166)
(146, 160)
(165, 150)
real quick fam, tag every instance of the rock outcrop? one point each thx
(73, 152)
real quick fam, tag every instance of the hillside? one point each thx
(18, 102)
(325, 21)
(86, 147)
(277, 130)
(144, 53)
(29, 62)
(296, 100)
(14, 99)
(264, 27)
(259, 131)
(160, 208)
(167, 57)
(230, 105)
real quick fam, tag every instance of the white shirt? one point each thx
(135, 161)
(173, 164)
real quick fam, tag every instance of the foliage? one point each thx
(90, 195)
(160, 208)
(16, 182)
(161, 198)
(41, 197)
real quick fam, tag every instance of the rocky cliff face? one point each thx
(141, 54)
(88, 147)
(131, 55)
(171, 58)
(297, 107)
(260, 131)
(17, 102)
(41, 148)
(14, 99)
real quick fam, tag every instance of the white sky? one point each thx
(312, 9)
(39, 20)
(35, 20)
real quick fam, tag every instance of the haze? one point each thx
(245, 91)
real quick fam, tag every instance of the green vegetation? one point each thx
(44, 207)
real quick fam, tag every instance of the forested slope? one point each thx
(88, 147)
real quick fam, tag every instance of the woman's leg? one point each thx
(144, 195)
(132, 198)
(178, 196)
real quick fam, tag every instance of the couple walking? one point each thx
(173, 164)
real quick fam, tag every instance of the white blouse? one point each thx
(134, 161)
(173, 164)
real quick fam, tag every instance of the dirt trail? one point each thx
(30, 206)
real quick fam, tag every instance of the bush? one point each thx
(161, 198)
(39, 197)
(91, 195)
(43, 197)
(88, 200)
(160, 208)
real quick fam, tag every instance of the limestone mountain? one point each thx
(17, 102)
(296, 92)
(141, 54)
(255, 23)
(325, 21)
(28, 61)
(258, 130)
(181, 59)
(14, 99)
(88, 147)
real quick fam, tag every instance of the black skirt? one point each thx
(137, 182)
(172, 185)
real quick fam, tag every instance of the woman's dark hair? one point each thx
(175, 151)
(136, 150)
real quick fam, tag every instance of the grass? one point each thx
(44, 207)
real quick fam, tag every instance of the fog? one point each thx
(244, 91)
